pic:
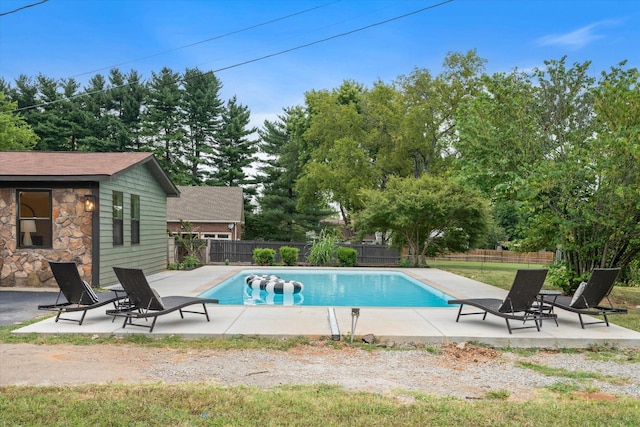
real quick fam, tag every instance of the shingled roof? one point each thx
(77, 166)
(207, 204)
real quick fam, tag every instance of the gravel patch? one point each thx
(464, 370)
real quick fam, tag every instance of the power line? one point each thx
(23, 7)
(328, 38)
(261, 58)
(209, 39)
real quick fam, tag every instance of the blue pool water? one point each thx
(333, 288)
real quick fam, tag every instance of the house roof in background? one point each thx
(37, 166)
(207, 204)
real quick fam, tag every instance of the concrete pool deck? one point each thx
(399, 325)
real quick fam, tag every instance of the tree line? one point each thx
(198, 138)
(541, 159)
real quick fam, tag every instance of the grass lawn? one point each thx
(201, 404)
(502, 274)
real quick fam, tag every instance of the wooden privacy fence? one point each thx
(490, 255)
(240, 251)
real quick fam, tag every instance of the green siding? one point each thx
(151, 253)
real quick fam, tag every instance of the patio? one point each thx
(397, 325)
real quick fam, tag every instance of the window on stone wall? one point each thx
(34, 219)
(118, 218)
(135, 218)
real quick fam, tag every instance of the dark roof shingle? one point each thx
(207, 204)
(42, 163)
(77, 166)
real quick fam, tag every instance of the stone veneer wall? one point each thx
(71, 240)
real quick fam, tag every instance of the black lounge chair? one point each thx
(78, 294)
(588, 297)
(144, 302)
(518, 305)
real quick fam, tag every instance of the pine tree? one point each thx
(203, 108)
(279, 219)
(235, 149)
(97, 106)
(163, 124)
(127, 94)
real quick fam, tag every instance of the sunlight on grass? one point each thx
(562, 387)
(576, 375)
(497, 395)
(320, 405)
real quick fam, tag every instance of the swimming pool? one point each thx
(371, 288)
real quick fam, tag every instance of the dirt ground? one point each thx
(461, 370)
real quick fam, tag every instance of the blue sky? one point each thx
(75, 38)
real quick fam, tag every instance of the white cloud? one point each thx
(576, 39)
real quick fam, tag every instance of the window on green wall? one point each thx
(118, 216)
(135, 218)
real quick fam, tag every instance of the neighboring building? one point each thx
(98, 210)
(213, 212)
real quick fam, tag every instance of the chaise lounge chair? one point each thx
(518, 305)
(78, 293)
(144, 302)
(587, 298)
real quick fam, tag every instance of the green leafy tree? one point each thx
(499, 135)
(617, 107)
(429, 107)
(15, 132)
(339, 165)
(362, 137)
(500, 141)
(428, 215)
(558, 154)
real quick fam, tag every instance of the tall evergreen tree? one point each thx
(163, 124)
(279, 218)
(127, 93)
(97, 106)
(203, 108)
(62, 122)
(235, 150)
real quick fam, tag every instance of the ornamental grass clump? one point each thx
(323, 250)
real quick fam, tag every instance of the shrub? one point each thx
(289, 255)
(264, 256)
(562, 277)
(631, 275)
(405, 262)
(347, 257)
(190, 262)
